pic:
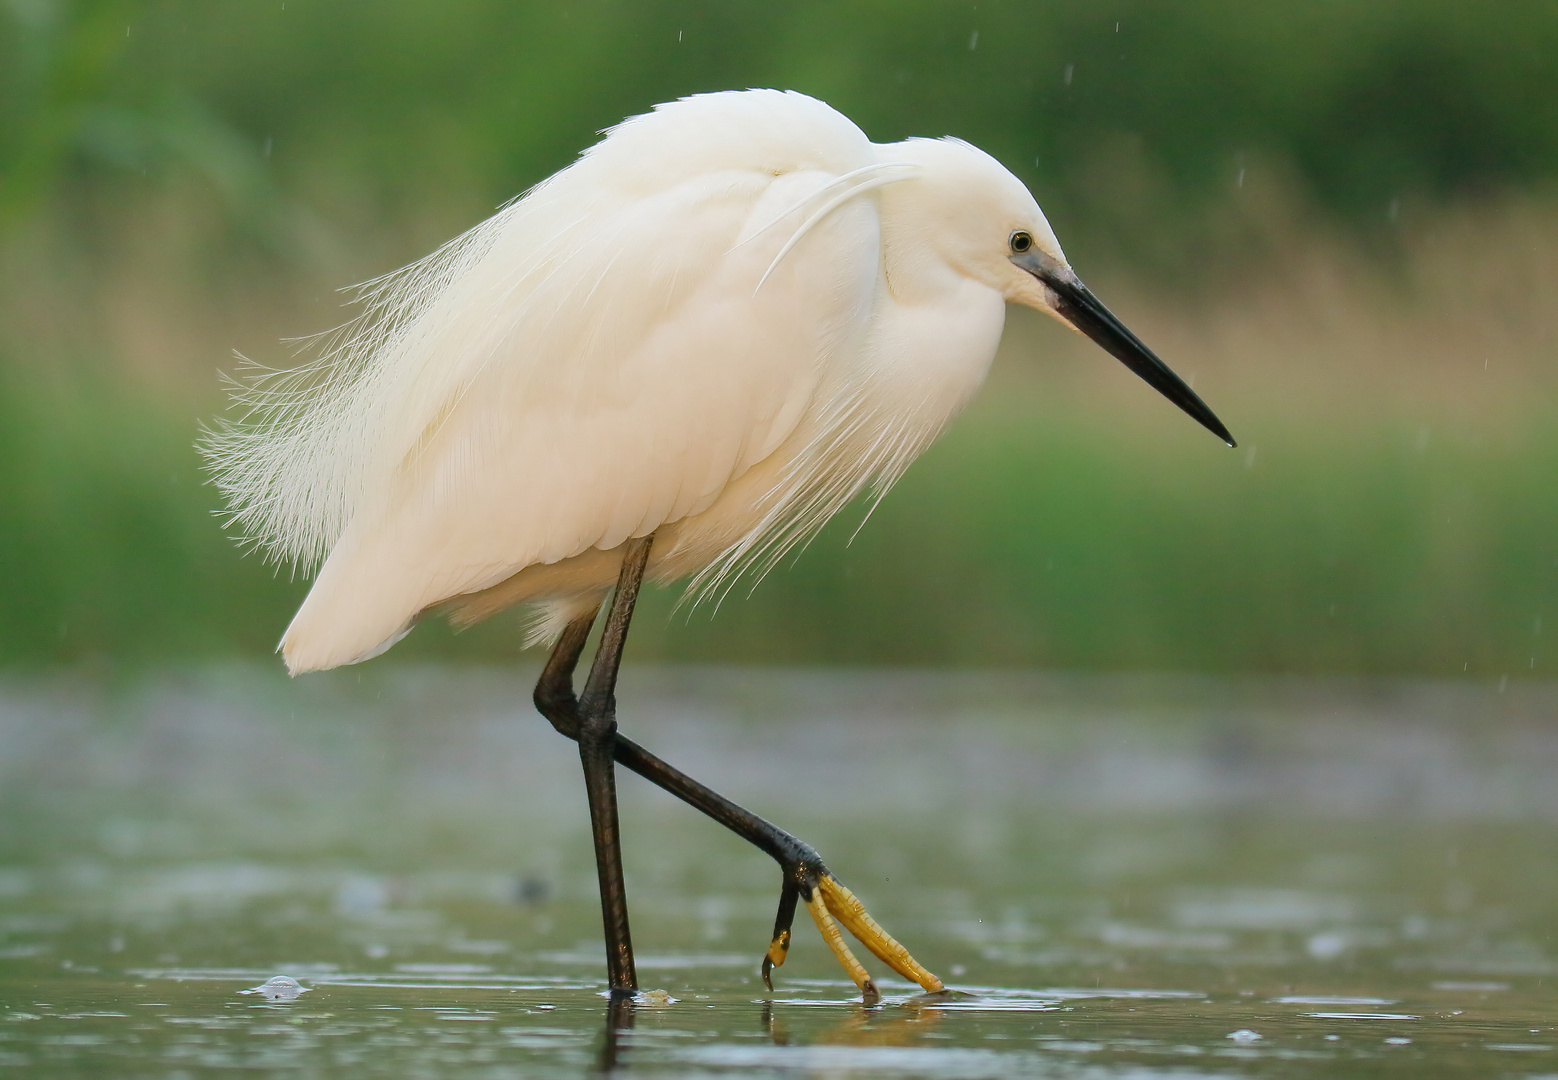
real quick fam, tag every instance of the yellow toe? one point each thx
(843, 905)
(831, 934)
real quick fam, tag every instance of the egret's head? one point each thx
(984, 223)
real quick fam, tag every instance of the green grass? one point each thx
(1059, 535)
(1052, 541)
(109, 549)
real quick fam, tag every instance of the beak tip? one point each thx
(1213, 424)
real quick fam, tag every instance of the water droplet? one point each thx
(280, 988)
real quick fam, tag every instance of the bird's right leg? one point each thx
(591, 721)
(804, 876)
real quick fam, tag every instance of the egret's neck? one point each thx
(916, 273)
(938, 328)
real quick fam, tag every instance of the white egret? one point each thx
(677, 357)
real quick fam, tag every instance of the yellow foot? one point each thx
(858, 921)
(830, 904)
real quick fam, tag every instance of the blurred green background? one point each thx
(1340, 220)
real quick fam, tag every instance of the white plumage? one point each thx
(725, 320)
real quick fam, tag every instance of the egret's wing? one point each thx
(603, 363)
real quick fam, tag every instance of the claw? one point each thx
(779, 947)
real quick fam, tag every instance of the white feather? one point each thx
(633, 346)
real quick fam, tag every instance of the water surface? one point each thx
(1118, 877)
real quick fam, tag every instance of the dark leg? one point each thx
(804, 877)
(596, 733)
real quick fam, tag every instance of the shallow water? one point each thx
(1119, 877)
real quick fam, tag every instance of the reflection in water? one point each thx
(778, 1034)
(1363, 881)
(861, 1025)
(619, 1019)
(871, 1025)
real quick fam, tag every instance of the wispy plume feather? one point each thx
(293, 457)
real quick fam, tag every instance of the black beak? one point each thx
(1075, 302)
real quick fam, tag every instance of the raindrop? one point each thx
(1393, 210)
(266, 149)
(531, 890)
(973, 41)
(1070, 71)
(1238, 181)
(1328, 945)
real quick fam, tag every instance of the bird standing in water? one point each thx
(676, 358)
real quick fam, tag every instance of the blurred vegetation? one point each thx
(178, 179)
(360, 114)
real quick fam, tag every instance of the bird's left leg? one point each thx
(804, 877)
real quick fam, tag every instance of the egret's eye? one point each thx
(1020, 242)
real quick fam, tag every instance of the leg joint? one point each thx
(597, 730)
(555, 701)
(801, 866)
